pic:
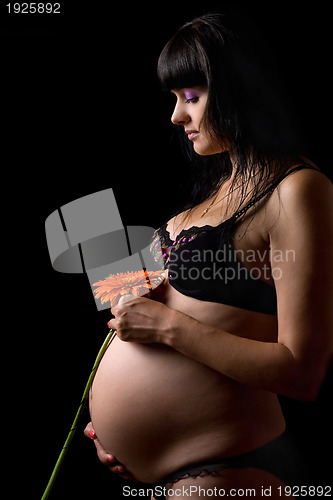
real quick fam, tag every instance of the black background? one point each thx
(82, 111)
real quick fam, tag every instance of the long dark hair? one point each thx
(246, 104)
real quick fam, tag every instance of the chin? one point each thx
(211, 149)
(207, 152)
(208, 148)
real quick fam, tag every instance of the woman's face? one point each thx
(188, 112)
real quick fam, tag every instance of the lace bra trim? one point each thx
(189, 232)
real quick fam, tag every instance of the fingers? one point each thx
(126, 298)
(106, 458)
(112, 324)
(89, 431)
(111, 462)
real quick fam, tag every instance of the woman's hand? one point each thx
(143, 320)
(106, 458)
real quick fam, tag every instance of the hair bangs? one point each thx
(180, 64)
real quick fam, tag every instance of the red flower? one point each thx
(136, 283)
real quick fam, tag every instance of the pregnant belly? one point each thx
(146, 399)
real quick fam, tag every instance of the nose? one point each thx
(179, 115)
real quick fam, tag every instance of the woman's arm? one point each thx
(296, 364)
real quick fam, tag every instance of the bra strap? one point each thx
(243, 211)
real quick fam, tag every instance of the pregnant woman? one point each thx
(186, 394)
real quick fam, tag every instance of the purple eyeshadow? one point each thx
(190, 94)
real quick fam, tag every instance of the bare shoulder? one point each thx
(306, 183)
(304, 195)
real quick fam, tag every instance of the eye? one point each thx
(193, 100)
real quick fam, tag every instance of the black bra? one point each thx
(203, 264)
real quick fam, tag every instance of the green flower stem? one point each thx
(78, 415)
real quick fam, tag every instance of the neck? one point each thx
(233, 159)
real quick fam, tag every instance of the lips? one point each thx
(192, 134)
